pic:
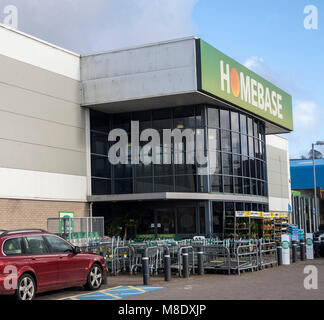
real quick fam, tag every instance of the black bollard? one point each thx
(167, 264)
(302, 250)
(185, 263)
(317, 248)
(200, 253)
(294, 251)
(145, 267)
(279, 253)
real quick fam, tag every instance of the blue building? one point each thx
(302, 184)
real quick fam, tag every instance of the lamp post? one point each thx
(318, 143)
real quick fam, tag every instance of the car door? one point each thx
(73, 268)
(42, 262)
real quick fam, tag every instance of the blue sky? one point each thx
(267, 36)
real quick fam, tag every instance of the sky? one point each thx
(268, 37)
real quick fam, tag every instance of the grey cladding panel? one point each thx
(26, 76)
(17, 155)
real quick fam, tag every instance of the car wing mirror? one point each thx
(76, 250)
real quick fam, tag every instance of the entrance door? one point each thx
(165, 221)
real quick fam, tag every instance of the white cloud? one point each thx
(308, 117)
(254, 63)
(98, 25)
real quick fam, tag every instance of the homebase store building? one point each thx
(57, 110)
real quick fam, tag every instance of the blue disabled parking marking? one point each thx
(116, 293)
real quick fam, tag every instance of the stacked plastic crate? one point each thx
(293, 232)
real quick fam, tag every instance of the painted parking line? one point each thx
(115, 293)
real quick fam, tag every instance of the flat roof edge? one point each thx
(40, 40)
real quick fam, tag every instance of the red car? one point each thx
(34, 261)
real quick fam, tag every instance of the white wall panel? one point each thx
(24, 184)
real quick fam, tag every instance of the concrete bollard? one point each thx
(145, 267)
(185, 263)
(167, 264)
(200, 253)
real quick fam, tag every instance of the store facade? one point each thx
(181, 85)
(55, 141)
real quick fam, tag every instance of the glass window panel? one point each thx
(99, 143)
(251, 147)
(144, 119)
(258, 169)
(185, 169)
(237, 165)
(122, 121)
(238, 185)
(201, 183)
(218, 217)
(144, 170)
(163, 170)
(184, 117)
(163, 184)
(256, 146)
(250, 126)
(166, 221)
(255, 128)
(254, 186)
(246, 166)
(216, 183)
(244, 144)
(229, 208)
(248, 206)
(212, 145)
(186, 220)
(243, 123)
(227, 164)
(100, 167)
(202, 220)
(99, 121)
(228, 184)
(254, 207)
(162, 119)
(123, 170)
(239, 206)
(226, 140)
(213, 118)
(123, 186)
(252, 168)
(218, 168)
(224, 119)
(235, 121)
(246, 186)
(259, 188)
(186, 183)
(101, 186)
(144, 185)
(236, 143)
(199, 120)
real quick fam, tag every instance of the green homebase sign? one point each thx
(227, 79)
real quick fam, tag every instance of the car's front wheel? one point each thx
(26, 288)
(95, 278)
